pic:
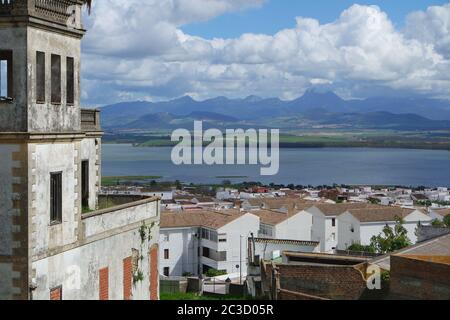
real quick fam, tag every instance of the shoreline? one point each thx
(430, 147)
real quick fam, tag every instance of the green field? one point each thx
(321, 139)
(113, 181)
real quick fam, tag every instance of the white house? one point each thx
(292, 224)
(325, 223)
(193, 242)
(439, 214)
(360, 225)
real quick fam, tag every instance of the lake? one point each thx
(298, 166)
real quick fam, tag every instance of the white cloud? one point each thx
(138, 47)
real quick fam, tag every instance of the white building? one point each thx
(439, 214)
(193, 242)
(360, 225)
(292, 224)
(325, 222)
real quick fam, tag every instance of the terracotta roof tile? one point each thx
(380, 214)
(202, 218)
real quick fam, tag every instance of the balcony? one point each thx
(120, 212)
(62, 12)
(90, 119)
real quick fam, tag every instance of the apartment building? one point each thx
(360, 225)
(194, 242)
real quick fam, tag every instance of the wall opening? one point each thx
(56, 197)
(6, 75)
(56, 79)
(85, 183)
(70, 81)
(40, 77)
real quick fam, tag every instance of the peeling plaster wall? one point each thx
(48, 117)
(77, 270)
(6, 200)
(13, 115)
(45, 159)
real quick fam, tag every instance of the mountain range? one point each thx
(313, 109)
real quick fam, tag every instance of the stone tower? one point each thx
(60, 239)
(49, 147)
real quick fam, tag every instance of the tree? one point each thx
(391, 239)
(361, 248)
(437, 223)
(447, 220)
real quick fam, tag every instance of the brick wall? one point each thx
(290, 295)
(330, 282)
(127, 278)
(154, 273)
(56, 294)
(104, 284)
(418, 279)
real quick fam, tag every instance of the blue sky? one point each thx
(164, 49)
(275, 15)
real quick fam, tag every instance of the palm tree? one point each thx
(89, 4)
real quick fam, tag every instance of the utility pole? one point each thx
(240, 259)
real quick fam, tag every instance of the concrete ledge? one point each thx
(110, 219)
(119, 207)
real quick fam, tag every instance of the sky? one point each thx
(163, 49)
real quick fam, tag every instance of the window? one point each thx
(166, 271)
(56, 197)
(209, 235)
(333, 237)
(165, 237)
(166, 254)
(85, 183)
(265, 230)
(40, 77)
(6, 75)
(56, 79)
(221, 256)
(333, 222)
(222, 237)
(70, 81)
(206, 252)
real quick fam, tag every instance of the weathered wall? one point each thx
(88, 151)
(13, 114)
(418, 279)
(48, 117)
(45, 158)
(77, 270)
(331, 282)
(13, 222)
(118, 218)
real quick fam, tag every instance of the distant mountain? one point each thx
(311, 108)
(165, 120)
(387, 120)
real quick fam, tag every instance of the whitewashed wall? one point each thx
(183, 251)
